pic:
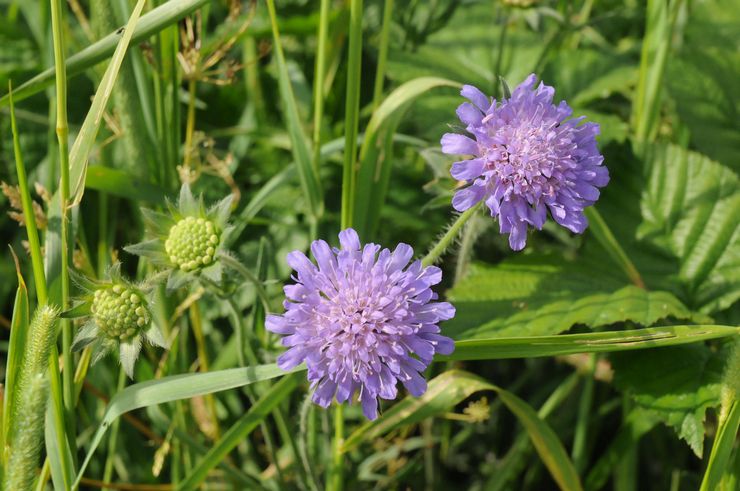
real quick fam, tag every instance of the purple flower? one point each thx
(527, 159)
(357, 319)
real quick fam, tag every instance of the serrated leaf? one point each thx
(543, 296)
(691, 209)
(676, 384)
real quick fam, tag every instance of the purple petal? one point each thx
(467, 170)
(474, 95)
(458, 144)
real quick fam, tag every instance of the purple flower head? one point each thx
(362, 320)
(528, 158)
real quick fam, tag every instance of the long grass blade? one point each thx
(174, 388)
(80, 151)
(375, 160)
(153, 22)
(237, 433)
(308, 174)
(597, 342)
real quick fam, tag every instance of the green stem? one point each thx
(62, 130)
(382, 52)
(113, 438)
(579, 454)
(449, 236)
(607, 240)
(318, 81)
(37, 261)
(352, 111)
(249, 276)
(336, 481)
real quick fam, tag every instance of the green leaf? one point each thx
(310, 182)
(377, 148)
(174, 388)
(449, 389)
(722, 448)
(239, 431)
(16, 347)
(151, 23)
(82, 146)
(497, 348)
(675, 384)
(691, 210)
(533, 296)
(122, 184)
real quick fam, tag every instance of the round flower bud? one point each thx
(192, 243)
(120, 311)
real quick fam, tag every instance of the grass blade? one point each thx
(16, 347)
(175, 388)
(376, 152)
(453, 386)
(607, 240)
(597, 342)
(80, 151)
(309, 177)
(236, 434)
(150, 24)
(352, 112)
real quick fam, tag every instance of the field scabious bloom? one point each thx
(362, 320)
(528, 158)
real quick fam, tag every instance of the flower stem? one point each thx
(382, 52)
(62, 130)
(318, 81)
(607, 240)
(352, 113)
(449, 236)
(336, 481)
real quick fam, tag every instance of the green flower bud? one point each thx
(192, 243)
(120, 311)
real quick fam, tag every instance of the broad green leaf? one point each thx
(121, 183)
(691, 210)
(376, 152)
(239, 431)
(496, 348)
(535, 296)
(676, 385)
(83, 144)
(454, 386)
(310, 182)
(702, 79)
(173, 388)
(150, 24)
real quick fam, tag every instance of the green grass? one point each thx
(595, 361)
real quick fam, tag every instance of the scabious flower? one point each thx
(119, 318)
(362, 320)
(528, 158)
(186, 242)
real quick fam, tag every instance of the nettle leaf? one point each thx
(537, 296)
(677, 385)
(691, 209)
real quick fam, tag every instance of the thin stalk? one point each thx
(578, 453)
(62, 130)
(607, 240)
(37, 261)
(113, 438)
(318, 81)
(336, 479)
(249, 276)
(446, 240)
(200, 343)
(352, 111)
(190, 124)
(385, 31)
